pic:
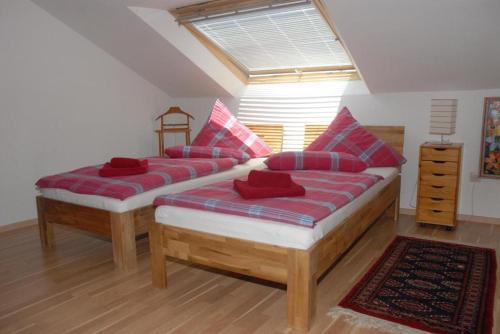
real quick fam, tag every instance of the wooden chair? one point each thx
(166, 128)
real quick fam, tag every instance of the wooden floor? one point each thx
(75, 288)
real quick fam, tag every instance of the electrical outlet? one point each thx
(474, 177)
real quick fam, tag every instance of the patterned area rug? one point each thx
(433, 286)
(348, 321)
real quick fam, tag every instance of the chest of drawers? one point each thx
(438, 184)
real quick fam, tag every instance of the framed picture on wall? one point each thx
(490, 140)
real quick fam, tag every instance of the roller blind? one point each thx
(290, 37)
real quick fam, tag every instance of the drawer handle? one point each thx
(436, 199)
(440, 149)
(437, 187)
(437, 211)
(438, 162)
(438, 174)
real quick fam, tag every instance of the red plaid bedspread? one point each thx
(326, 192)
(162, 171)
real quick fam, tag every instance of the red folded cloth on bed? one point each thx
(120, 162)
(108, 171)
(249, 192)
(258, 178)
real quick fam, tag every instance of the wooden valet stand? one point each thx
(166, 128)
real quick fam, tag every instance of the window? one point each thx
(268, 38)
(295, 106)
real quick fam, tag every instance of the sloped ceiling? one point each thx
(113, 27)
(423, 45)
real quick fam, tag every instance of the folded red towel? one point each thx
(258, 178)
(248, 192)
(120, 162)
(108, 171)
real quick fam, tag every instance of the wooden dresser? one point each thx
(439, 184)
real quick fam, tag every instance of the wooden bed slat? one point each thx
(235, 255)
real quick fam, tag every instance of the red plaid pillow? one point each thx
(336, 161)
(345, 134)
(182, 151)
(224, 130)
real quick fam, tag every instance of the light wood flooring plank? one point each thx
(75, 287)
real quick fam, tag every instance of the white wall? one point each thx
(413, 111)
(165, 25)
(200, 108)
(64, 103)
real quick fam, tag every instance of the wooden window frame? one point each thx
(344, 72)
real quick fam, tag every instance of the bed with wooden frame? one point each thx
(298, 269)
(121, 227)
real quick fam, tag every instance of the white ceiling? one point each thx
(113, 27)
(423, 45)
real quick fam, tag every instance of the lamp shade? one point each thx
(443, 116)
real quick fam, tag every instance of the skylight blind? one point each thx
(291, 37)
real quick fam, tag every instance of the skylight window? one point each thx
(282, 37)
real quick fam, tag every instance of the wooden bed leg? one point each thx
(158, 261)
(393, 210)
(44, 227)
(123, 238)
(301, 289)
(396, 209)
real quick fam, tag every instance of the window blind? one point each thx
(220, 8)
(292, 37)
(294, 106)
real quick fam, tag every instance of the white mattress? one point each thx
(146, 198)
(267, 231)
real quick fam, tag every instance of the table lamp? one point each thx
(443, 118)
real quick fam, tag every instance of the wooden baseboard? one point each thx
(18, 225)
(469, 218)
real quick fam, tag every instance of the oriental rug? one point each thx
(433, 286)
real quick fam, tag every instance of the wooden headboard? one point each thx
(391, 134)
(272, 134)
